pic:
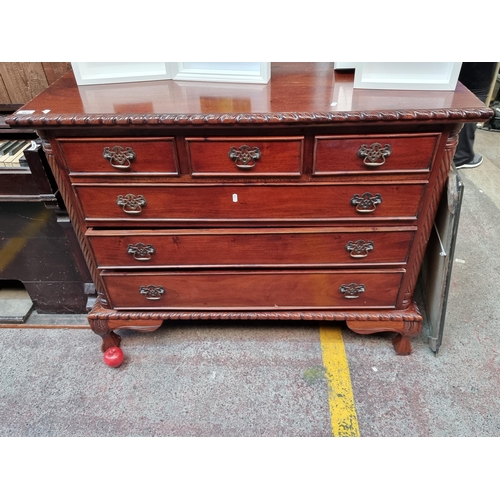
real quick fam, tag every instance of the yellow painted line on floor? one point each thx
(341, 398)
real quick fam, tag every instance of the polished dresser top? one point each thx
(298, 93)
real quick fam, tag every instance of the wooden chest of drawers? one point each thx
(295, 210)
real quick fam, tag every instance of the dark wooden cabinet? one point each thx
(293, 210)
(38, 246)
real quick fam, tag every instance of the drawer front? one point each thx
(170, 202)
(240, 247)
(121, 155)
(245, 157)
(375, 154)
(253, 290)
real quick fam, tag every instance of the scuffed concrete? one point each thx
(187, 379)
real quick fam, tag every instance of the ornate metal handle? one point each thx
(352, 290)
(119, 157)
(372, 154)
(152, 292)
(366, 202)
(131, 204)
(359, 249)
(244, 156)
(140, 251)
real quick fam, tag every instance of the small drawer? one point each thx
(245, 157)
(335, 155)
(298, 247)
(253, 203)
(264, 290)
(121, 155)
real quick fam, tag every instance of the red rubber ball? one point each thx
(113, 357)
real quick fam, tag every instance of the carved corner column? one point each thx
(78, 224)
(99, 326)
(424, 232)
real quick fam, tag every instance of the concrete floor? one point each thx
(267, 378)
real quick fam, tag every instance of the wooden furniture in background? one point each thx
(316, 202)
(21, 81)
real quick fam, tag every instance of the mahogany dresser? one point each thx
(302, 199)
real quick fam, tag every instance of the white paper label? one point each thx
(235, 198)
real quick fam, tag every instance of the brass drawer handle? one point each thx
(372, 154)
(366, 202)
(244, 156)
(119, 157)
(152, 292)
(131, 204)
(352, 290)
(140, 251)
(359, 249)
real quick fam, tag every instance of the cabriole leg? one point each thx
(402, 341)
(406, 330)
(103, 329)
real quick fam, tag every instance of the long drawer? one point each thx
(121, 155)
(186, 202)
(265, 290)
(251, 247)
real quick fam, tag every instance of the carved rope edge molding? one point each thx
(471, 114)
(330, 316)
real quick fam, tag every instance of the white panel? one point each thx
(407, 76)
